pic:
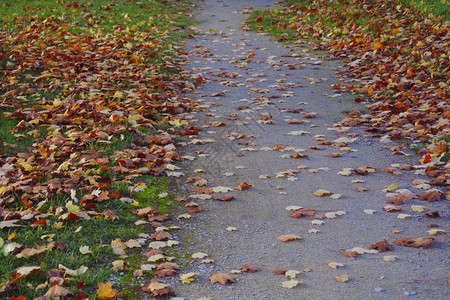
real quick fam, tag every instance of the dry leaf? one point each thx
(291, 284)
(105, 290)
(342, 278)
(250, 268)
(222, 278)
(424, 242)
(289, 237)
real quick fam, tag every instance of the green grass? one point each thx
(95, 16)
(124, 20)
(97, 233)
(440, 8)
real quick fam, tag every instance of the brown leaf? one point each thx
(168, 265)
(432, 214)
(303, 212)
(223, 198)
(431, 195)
(165, 272)
(249, 268)
(222, 278)
(424, 242)
(298, 155)
(382, 246)
(289, 237)
(111, 214)
(161, 235)
(351, 254)
(243, 186)
(57, 292)
(280, 271)
(398, 200)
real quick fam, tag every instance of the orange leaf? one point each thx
(377, 45)
(105, 290)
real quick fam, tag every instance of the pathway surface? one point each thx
(261, 90)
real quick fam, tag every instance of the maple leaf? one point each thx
(56, 292)
(242, 186)
(223, 198)
(289, 237)
(189, 277)
(105, 290)
(165, 272)
(222, 278)
(250, 268)
(168, 265)
(431, 195)
(302, 212)
(158, 289)
(381, 246)
(321, 193)
(424, 242)
(291, 284)
(342, 278)
(161, 235)
(351, 253)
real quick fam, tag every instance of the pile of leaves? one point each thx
(93, 106)
(396, 56)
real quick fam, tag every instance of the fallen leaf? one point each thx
(189, 277)
(321, 193)
(291, 284)
(222, 278)
(250, 268)
(105, 290)
(289, 237)
(389, 258)
(291, 273)
(242, 186)
(424, 242)
(342, 278)
(199, 255)
(335, 265)
(381, 246)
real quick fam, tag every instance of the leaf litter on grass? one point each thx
(92, 90)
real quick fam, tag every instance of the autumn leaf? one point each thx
(57, 291)
(381, 246)
(250, 268)
(342, 278)
(424, 242)
(289, 237)
(242, 186)
(291, 284)
(189, 277)
(321, 193)
(105, 290)
(222, 278)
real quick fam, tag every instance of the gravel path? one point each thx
(250, 82)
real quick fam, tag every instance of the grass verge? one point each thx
(87, 92)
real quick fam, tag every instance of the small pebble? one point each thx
(378, 290)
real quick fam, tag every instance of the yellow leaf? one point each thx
(105, 290)
(417, 208)
(85, 250)
(186, 278)
(377, 45)
(72, 207)
(11, 236)
(392, 187)
(291, 284)
(80, 271)
(436, 231)
(342, 278)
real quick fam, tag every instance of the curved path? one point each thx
(262, 89)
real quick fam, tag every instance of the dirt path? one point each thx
(247, 78)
